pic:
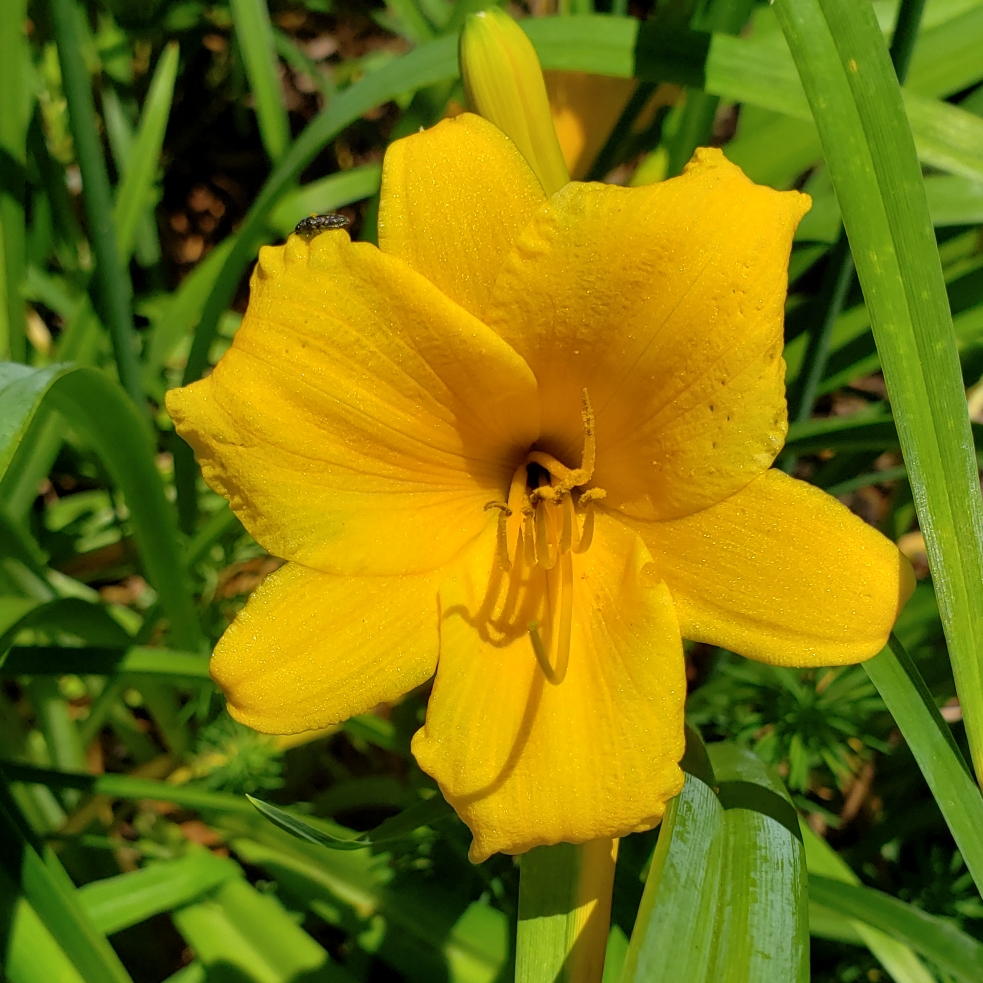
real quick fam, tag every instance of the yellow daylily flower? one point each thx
(526, 444)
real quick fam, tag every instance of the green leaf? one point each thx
(128, 787)
(16, 73)
(907, 697)
(947, 56)
(32, 954)
(870, 153)
(255, 37)
(84, 621)
(896, 957)
(331, 835)
(50, 892)
(100, 412)
(136, 187)
(180, 313)
(761, 71)
(250, 936)
(103, 661)
(110, 275)
(725, 894)
(949, 948)
(119, 902)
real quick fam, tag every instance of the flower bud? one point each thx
(504, 83)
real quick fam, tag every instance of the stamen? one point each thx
(586, 502)
(502, 544)
(555, 671)
(566, 617)
(529, 536)
(546, 551)
(542, 657)
(516, 583)
(569, 521)
(587, 535)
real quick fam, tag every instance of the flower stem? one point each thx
(564, 912)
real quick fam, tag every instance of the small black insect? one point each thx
(315, 224)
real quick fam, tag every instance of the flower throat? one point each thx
(546, 520)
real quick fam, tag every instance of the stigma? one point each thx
(547, 518)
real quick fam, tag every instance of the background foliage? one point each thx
(147, 147)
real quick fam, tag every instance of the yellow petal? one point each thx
(311, 649)
(526, 762)
(666, 303)
(361, 420)
(585, 110)
(783, 573)
(454, 200)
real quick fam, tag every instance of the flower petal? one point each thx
(783, 573)
(311, 649)
(361, 420)
(526, 762)
(666, 303)
(454, 200)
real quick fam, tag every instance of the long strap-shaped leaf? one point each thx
(51, 894)
(948, 947)
(907, 697)
(112, 277)
(857, 105)
(134, 190)
(725, 897)
(98, 409)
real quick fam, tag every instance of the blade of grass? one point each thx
(115, 903)
(847, 74)
(51, 893)
(32, 954)
(838, 277)
(300, 63)
(209, 534)
(334, 837)
(15, 115)
(907, 697)
(897, 958)
(111, 276)
(136, 187)
(949, 948)
(255, 37)
(100, 411)
(128, 787)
